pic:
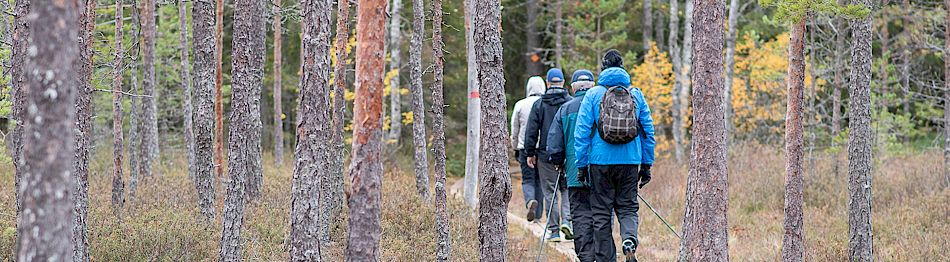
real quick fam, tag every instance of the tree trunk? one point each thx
(705, 227)
(395, 98)
(731, 38)
(859, 141)
(84, 112)
(149, 150)
(365, 167)
(334, 204)
(946, 103)
(202, 18)
(278, 74)
(118, 186)
(793, 244)
(532, 56)
(659, 27)
(839, 66)
(474, 116)
(185, 75)
(244, 141)
(311, 172)
(495, 191)
(558, 25)
(21, 33)
(135, 121)
(647, 29)
(43, 233)
(885, 42)
(418, 101)
(906, 56)
(218, 91)
(681, 115)
(676, 97)
(444, 247)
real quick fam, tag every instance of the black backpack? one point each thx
(619, 122)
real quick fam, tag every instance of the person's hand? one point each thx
(644, 174)
(532, 160)
(583, 176)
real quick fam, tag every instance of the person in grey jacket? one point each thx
(530, 184)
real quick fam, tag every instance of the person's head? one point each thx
(555, 78)
(535, 86)
(582, 79)
(612, 58)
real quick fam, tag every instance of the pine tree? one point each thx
(597, 26)
(685, 79)
(218, 91)
(366, 171)
(118, 143)
(444, 247)
(43, 232)
(705, 227)
(278, 75)
(21, 33)
(495, 185)
(532, 57)
(859, 140)
(334, 204)
(418, 101)
(84, 111)
(203, 13)
(187, 93)
(946, 105)
(647, 28)
(793, 243)
(135, 120)
(149, 147)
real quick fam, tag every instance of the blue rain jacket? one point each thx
(561, 138)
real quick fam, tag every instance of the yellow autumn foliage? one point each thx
(655, 78)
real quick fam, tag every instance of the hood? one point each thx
(555, 97)
(580, 93)
(614, 76)
(535, 86)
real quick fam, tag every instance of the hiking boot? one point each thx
(568, 231)
(553, 237)
(532, 208)
(630, 250)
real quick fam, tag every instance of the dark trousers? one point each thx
(613, 191)
(583, 223)
(530, 183)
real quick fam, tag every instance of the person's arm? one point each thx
(532, 131)
(648, 141)
(583, 129)
(555, 145)
(515, 126)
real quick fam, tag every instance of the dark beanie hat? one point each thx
(612, 59)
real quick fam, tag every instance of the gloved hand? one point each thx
(644, 174)
(583, 176)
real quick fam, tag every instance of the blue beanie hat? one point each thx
(555, 75)
(582, 75)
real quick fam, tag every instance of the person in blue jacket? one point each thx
(614, 169)
(561, 152)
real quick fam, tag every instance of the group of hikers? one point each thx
(584, 157)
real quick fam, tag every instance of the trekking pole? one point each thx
(659, 216)
(553, 198)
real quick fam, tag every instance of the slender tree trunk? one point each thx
(839, 66)
(334, 204)
(395, 98)
(135, 120)
(946, 103)
(793, 244)
(859, 141)
(185, 74)
(21, 34)
(495, 191)
(660, 28)
(647, 29)
(474, 115)
(118, 186)
(558, 25)
(44, 233)
(885, 59)
(84, 111)
(705, 227)
(311, 172)
(365, 167)
(418, 101)
(444, 247)
(202, 18)
(677, 99)
(680, 119)
(906, 56)
(218, 91)
(731, 38)
(532, 57)
(278, 74)
(149, 147)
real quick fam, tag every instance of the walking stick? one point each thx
(553, 199)
(661, 217)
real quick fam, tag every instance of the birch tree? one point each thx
(705, 227)
(363, 229)
(859, 140)
(44, 230)
(473, 133)
(731, 36)
(203, 15)
(395, 97)
(444, 247)
(418, 101)
(118, 143)
(84, 111)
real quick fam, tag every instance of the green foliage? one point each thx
(795, 10)
(596, 27)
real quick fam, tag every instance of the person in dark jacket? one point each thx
(561, 152)
(614, 169)
(535, 142)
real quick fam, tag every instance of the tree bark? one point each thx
(135, 121)
(793, 244)
(334, 203)
(532, 57)
(685, 81)
(278, 75)
(859, 141)
(395, 98)
(885, 59)
(218, 91)
(839, 67)
(705, 226)
(946, 103)
(444, 247)
(84, 112)
(418, 101)
(731, 38)
(118, 143)
(558, 25)
(659, 28)
(647, 29)
(185, 75)
(202, 18)
(365, 167)
(495, 190)
(21, 33)
(43, 232)
(676, 98)
(149, 148)
(474, 116)
(308, 225)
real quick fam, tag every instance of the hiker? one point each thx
(561, 152)
(530, 183)
(535, 142)
(614, 143)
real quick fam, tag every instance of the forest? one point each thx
(382, 130)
